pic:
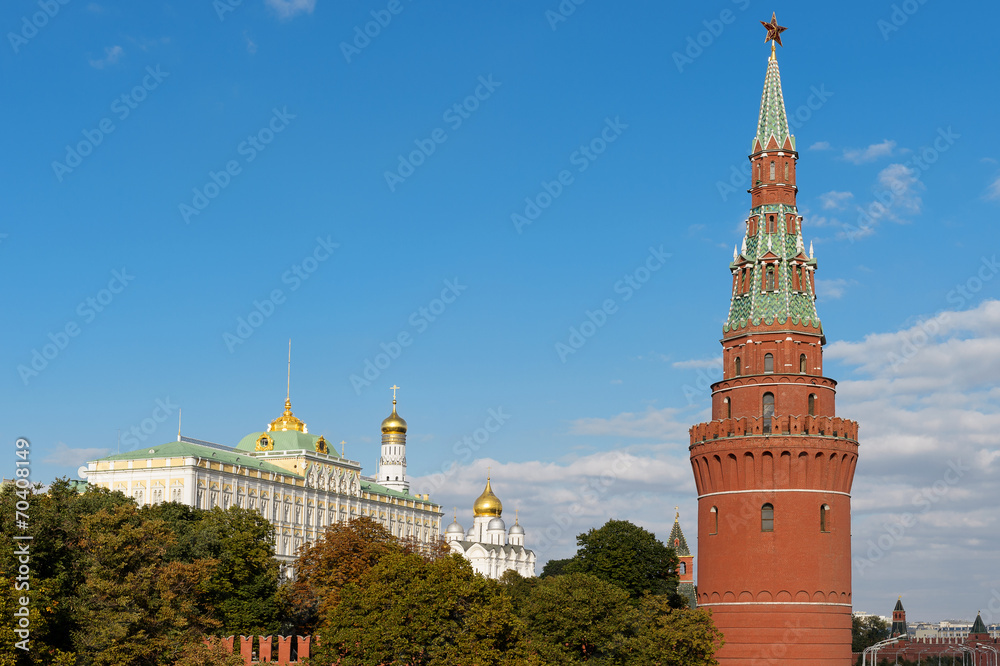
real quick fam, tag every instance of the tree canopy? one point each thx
(627, 556)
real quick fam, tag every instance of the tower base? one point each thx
(785, 634)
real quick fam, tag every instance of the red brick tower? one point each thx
(775, 465)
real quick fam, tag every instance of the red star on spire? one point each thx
(773, 29)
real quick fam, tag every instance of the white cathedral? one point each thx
(488, 545)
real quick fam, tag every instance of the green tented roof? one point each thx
(677, 534)
(772, 120)
(979, 627)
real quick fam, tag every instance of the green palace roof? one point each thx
(286, 440)
(187, 450)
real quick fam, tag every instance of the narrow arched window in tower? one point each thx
(824, 522)
(729, 408)
(713, 515)
(768, 363)
(767, 411)
(767, 518)
(739, 367)
(772, 169)
(772, 227)
(812, 404)
(683, 568)
(769, 279)
(786, 171)
(802, 364)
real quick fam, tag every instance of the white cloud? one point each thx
(112, 54)
(871, 153)
(64, 456)
(993, 191)
(928, 476)
(820, 145)
(556, 501)
(287, 9)
(656, 424)
(903, 183)
(835, 200)
(698, 363)
(831, 289)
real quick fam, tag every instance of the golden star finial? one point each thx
(773, 30)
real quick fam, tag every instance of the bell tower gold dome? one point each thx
(488, 504)
(394, 422)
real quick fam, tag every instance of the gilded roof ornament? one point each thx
(394, 422)
(488, 504)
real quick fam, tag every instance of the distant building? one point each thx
(972, 643)
(488, 546)
(685, 563)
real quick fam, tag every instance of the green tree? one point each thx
(517, 587)
(344, 553)
(628, 556)
(134, 607)
(555, 568)
(56, 559)
(243, 589)
(867, 631)
(409, 610)
(577, 618)
(669, 636)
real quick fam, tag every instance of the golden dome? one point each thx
(394, 422)
(488, 504)
(287, 421)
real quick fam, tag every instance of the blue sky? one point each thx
(278, 124)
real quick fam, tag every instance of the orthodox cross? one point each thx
(394, 388)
